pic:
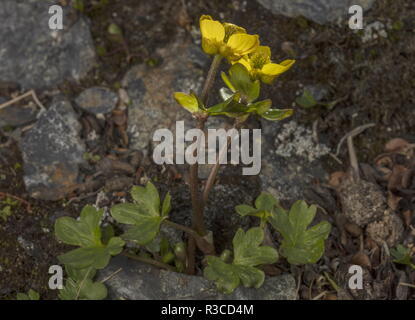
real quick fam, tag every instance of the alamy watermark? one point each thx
(172, 148)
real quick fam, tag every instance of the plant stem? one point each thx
(197, 203)
(202, 243)
(214, 171)
(197, 219)
(210, 79)
(188, 230)
(150, 261)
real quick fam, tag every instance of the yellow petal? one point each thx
(245, 62)
(231, 29)
(242, 44)
(212, 30)
(210, 47)
(264, 51)
(274, 69)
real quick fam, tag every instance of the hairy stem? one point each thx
(153, 262)
(215, 169)
(210, 79)
(198, 219)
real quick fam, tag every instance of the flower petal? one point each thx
(264, 51)
(274, 69)
(245, 62)
(242, 44)
(211, 29)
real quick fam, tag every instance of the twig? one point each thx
(353, 158)
(25, 95)
(406, 284)
(111, 275)
(78, 292)
(150, 261)
(353, 133)
(321, 295)
(26, 203)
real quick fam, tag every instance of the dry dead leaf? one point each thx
(336, 178)
(396, 145)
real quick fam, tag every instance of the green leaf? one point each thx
(81, 258)
(306, 100)
(144, 232)
(402, 255)
(145, 227)
(248, 253)
(277, 114)
(223, 274)
(93, 290)
(260, 107)
(228, 107)
(239, 80)
(80, 274)
(265, 201)
(92, 257)
(300, 245)
(144, 215)
(85, 232)
(263, 207)
(166, 205)
(245, 210)
(248, 250)
(31, 295)
(147, 197)
(84, 289)
(187, 101)
(227, 81)
(250, 277)
(115, 246)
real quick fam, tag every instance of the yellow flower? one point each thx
(259, 65)
(226, 39)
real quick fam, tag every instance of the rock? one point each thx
(138, 281)
(34, 55)
(390, 229)
(291, 160)
(97, 100)
(17, 115)
(373, 31)
(362, 201)
(151, 91)
(320, 11)
(52, 150)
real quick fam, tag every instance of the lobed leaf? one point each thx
(300, 245)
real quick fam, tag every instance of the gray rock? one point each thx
(52, 150)
(291, 160)
(17, 115)
(151, 91)
(97, 100)
(34, 55)
(138, 281)
(320, 11)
